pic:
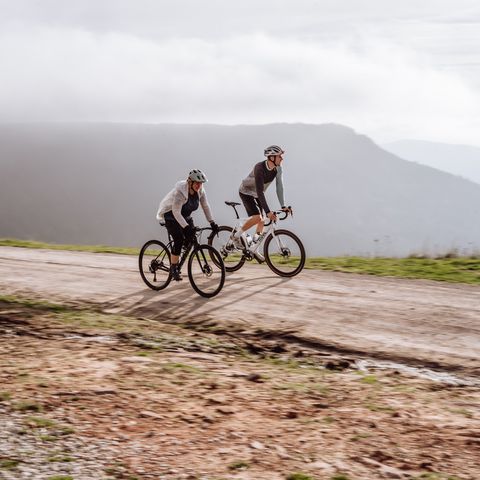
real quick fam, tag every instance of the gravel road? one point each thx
(412, 321)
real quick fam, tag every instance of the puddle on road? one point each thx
(436, 376)
(364, 365)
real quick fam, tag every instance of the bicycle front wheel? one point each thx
(206, 271)
(232, 258)
(154, 265)
(284, 253)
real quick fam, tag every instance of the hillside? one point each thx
(461, 160)
(101, 183)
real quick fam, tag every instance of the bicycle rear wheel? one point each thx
(232, 258)
(206, 271)
(154, 265)
(284, 253)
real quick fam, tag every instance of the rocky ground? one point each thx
(85, 395)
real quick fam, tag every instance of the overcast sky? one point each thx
(390, 69)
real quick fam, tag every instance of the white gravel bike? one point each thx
(281, 249)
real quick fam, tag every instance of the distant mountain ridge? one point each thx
(461, 160)
(101, 183)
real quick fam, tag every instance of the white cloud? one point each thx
(377, 87)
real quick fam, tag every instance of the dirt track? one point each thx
(410, 320)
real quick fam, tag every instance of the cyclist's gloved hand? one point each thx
(214, 227)
(288, 209)
(272, 216)
(189, 232)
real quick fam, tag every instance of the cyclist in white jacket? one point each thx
(176, 210)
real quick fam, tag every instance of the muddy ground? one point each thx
(86, 395)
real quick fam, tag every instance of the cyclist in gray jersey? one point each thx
(252, 192)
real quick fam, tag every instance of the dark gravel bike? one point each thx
(206, 270)
(282, 250)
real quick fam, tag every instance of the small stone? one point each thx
(255, 377)
(390, 472)
(148, 414)
(257, 445)
(226, 410)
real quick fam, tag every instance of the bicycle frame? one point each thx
(269, 229)
(189, 248)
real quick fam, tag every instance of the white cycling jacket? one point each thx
(176, 198)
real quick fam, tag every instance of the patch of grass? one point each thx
(405, 388)
(299, 476)
(35, 304)
(60, 477)
(359, 436)
(65, 430)
(40, 422)
(173, 367)
(461, 411)
(5, 396)
(12, 242)
(60, 458)
(285, 363)
(340, 476)
(302, 387)
(9, 463)
(90, 319)
(369, 379)
(445, 269)
(48, 438)
(28, 406)
(238, 465)
(373, 407)
(293, 386)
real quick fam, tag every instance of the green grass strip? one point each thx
(445, 269)
(11, 242)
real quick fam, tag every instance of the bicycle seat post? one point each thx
(234, 205)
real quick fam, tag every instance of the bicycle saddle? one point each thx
(232, 204)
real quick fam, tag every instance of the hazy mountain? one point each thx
(101, 183)
(461, 160)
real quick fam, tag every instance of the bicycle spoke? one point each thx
(284, 253)
(233, 259)
(206, 271)
(154, 265)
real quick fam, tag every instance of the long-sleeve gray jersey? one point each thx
(258, 181)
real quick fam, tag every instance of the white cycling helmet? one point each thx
(197, 176)
(273, 150)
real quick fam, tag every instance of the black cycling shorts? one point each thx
(251, 204)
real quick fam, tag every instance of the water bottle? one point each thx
(248, 239)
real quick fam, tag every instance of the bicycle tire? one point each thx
(206, 271)
(282, 256)
(233, 261)
(148, 269)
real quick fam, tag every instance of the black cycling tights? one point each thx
(176, 232)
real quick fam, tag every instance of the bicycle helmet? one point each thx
(273, 150)
(197, 176)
